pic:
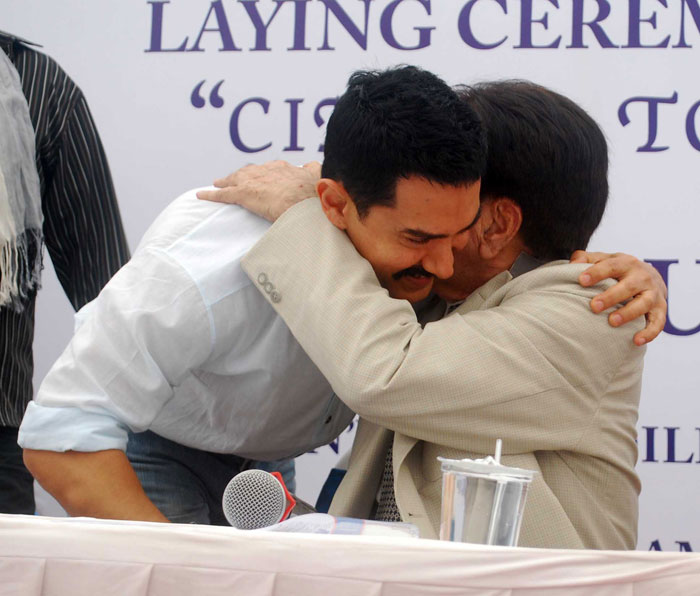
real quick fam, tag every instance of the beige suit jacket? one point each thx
(522, 359)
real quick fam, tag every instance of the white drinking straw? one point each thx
(497, 455)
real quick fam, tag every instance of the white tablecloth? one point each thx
(83, 557)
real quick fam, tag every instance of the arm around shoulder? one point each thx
(493, 370)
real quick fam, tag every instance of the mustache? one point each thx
(415, 271)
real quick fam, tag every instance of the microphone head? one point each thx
(254, 499)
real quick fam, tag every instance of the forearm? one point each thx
(93, 484)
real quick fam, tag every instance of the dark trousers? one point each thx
(16, 483)
(187, 484)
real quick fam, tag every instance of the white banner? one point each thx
(184, 91)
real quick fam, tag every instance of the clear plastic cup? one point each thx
(482, 501)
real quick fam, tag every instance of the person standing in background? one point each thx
(55, 189)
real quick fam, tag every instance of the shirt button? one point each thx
(275, 296)
(262, 279)
(268, 287)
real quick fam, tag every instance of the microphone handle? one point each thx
(302, 507)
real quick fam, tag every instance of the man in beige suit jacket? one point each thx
(522, 359)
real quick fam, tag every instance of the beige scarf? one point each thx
(20, 199)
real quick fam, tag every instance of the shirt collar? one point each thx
(524, 264)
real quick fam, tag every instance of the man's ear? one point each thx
(335, 201)
(504, 220)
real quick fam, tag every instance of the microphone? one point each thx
(256, 499)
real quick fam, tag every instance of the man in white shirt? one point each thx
(180, 343)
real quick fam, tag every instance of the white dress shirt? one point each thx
(181, 343)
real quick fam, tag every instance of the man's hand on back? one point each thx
(638, 282)
(267, 190)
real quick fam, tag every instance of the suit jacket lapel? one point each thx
(357, 492)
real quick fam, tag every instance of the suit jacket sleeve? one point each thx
(530, 371)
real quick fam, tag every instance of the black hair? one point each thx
(398, 123)
(549, 156)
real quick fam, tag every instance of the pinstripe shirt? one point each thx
(82, 227)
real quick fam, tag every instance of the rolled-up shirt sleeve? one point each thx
(139, 339)
(70, 429)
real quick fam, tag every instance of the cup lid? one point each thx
(485, 467)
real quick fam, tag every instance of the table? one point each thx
(43, 556)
